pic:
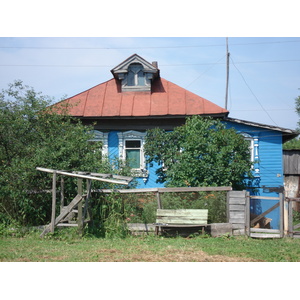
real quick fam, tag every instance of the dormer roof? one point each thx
(136, 74)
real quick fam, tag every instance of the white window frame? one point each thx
(253, 151)
(132, 135)
(101, 137)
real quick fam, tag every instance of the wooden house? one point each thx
(137, 99)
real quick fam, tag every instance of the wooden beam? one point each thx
(83, 176)
(166, 190)
(264, 214)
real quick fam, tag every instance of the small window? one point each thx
(249, 139)
(133, 153)
(135, 76)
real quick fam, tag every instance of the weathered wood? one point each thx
(237, 214)
(53, 202)
(247, 214)
(79, 215)
(67, 225)
(83, 176)
(237, 221)
(265, 230)
(264, 214)
(62, 193)
(158, 200)
(64, 213)
(265, 235)
(281, 214)
(237, 194)
(264, 198)
(182, 216)
(237, 201)
(164, 190)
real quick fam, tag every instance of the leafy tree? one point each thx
(200, 153)
(294, 143)
(33, 134)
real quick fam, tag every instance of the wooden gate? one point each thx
(256, 227)
(292, 226)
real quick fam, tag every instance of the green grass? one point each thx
(70, 248)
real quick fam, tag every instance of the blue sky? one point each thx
(264, 77)
(65, 47)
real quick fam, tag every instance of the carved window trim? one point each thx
(132, 135)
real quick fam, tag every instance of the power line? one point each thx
(163, 65)
(253, 93)
(145, 47)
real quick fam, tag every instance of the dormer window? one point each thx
(136, 74)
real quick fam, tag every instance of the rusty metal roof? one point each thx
(164, 99)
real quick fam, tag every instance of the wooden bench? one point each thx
(180, 218)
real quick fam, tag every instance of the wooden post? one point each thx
(79, 217)
(285, 216)
(290, 210)
(88, 188)
(281, 213)
(159, 206)
(247, 214)
(53, 202)
(62, 194)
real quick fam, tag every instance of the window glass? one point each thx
(135, 75)
(133, 153)
(130, 78)
(141, 79)
(134, 158)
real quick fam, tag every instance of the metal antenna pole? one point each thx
(227, 73)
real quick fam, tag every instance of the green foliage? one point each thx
(215, 202)
(293, 144)
(200, 153)
(33, 134)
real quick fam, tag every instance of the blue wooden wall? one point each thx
(268, 170)
(269, 181)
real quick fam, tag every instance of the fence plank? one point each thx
(264, 214)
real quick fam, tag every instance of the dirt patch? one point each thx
(171, 256)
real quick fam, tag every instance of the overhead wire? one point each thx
(253, 92)
(146, 47)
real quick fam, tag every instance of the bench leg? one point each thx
(156, 230)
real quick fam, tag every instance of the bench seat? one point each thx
(180, 218)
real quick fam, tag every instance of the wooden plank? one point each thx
(265, 235)
(237, 214)
(164, 190)
(264, 198)
(237, 201)
(66, 210)
(83, 176)
(180, 220)
(297, 226)
(264, 230)
(264, 214)
(66, 225)
(236, 207)
(195, 189)
(237, 194)
(238, 225)
(237, 220)
(183, 212)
